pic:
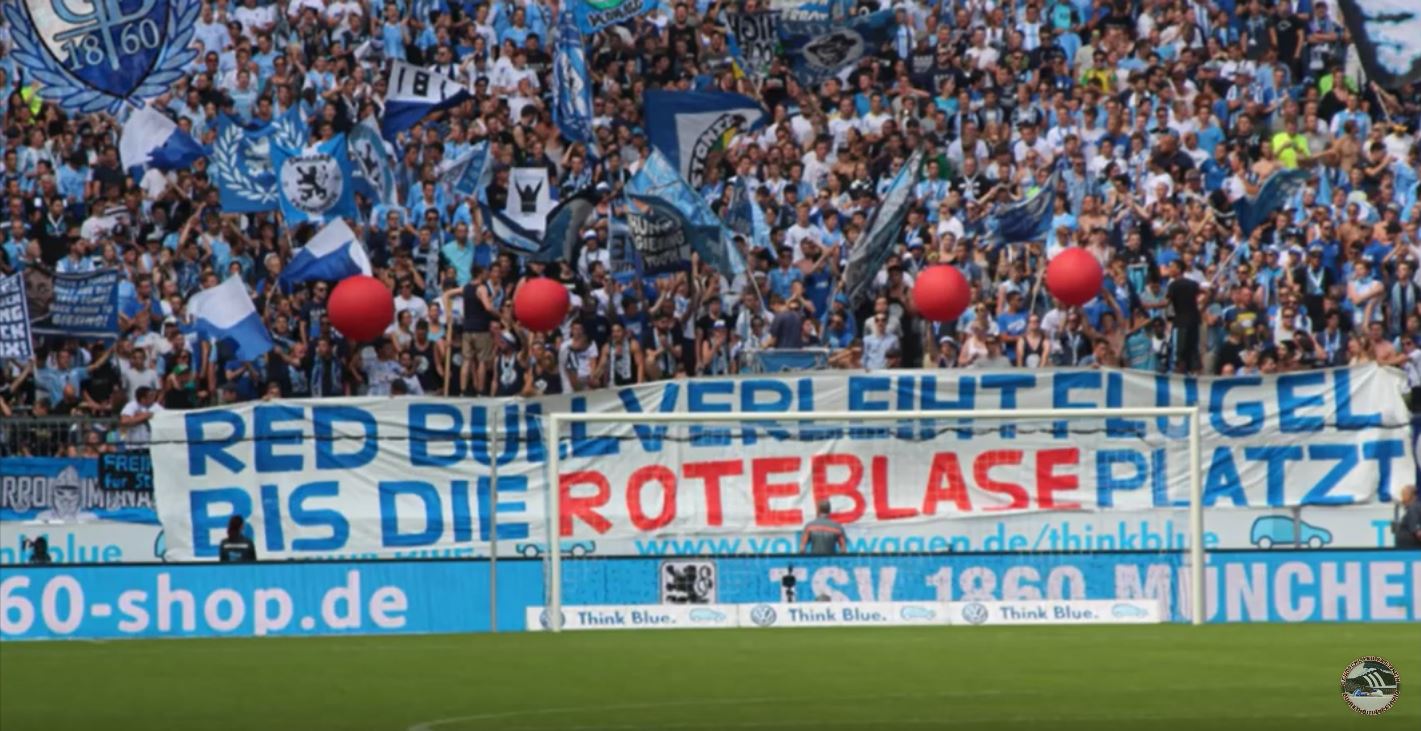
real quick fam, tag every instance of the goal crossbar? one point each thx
(555, 422)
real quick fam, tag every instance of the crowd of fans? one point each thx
(1157, 115)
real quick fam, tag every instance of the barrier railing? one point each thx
(54, 436)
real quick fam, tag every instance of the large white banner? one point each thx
(382, 477)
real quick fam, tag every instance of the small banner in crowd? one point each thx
(755, 41)
(14, 319)
(130, 471)
(529, 200)
(594, 15)
(78, 304)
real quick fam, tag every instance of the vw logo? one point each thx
(974, 613)
(763, 615)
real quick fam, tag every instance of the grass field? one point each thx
(1137, 677)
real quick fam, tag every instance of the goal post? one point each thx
(555, 423)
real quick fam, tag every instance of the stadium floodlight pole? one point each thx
(554, 492)
(492, 439)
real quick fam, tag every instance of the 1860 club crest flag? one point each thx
(315, 183)
(95, 55)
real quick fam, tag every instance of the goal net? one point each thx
(737, 519)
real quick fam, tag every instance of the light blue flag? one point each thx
(661, 192)
(470, 173)
(373, 164)
(1275, 191)
(241, 161)
(819, 51)
(745, 217)
(572, 90)
(688, 126)
(315, 183)
(226, 313)
(333, 254)
(594, 15)
(876, 242)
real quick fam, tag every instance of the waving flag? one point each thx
(470, 173)
(151, 140)
(415, 92)
(754, 41)
(667, 201)
(333, 254)
(241, 161)
(1278, 188)
(818, 51)
(687, 126)
(594, 15)
(744, 217)
(511, 235)
(1388, 38)
(572, 91)
(876, 243)
(564, 229)
(225, 313)
(1024, 220)
(314, 183)
(372, 163)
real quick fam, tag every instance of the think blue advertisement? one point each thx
(260, 600)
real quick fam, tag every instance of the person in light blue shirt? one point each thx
(783, 276)
(460, 255)
(72, 178)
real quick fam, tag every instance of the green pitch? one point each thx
(1156, 677)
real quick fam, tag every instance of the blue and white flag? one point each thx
(1388, 38)
(415, 92)
(151, 140)
(510, 234)
(315, 183)
(594, 15)
(97, 56)
(688, 126)
(819, 51)
(241, 161)
(1270, 198)
(877, 240)
(744, 216)
(1025, 220)
(333, 254)
(572, 90)
(666, 200)
(226, 313)
(564, 228)
(470, 173)
(374, 165)
(15, 339)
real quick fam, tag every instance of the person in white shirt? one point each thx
(408, 300)
(136, 374)
(133, 426)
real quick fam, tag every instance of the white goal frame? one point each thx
(556, 421)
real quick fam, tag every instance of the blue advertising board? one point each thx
(410, 597)
(260, 600)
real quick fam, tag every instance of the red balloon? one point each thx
(541, 304)
(361, 308)
(941, 293)
(1074, 277)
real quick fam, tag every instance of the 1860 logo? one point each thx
(1370, 685)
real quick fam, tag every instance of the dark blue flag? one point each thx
(818, 51)
(1025, 220)
(1276, 191)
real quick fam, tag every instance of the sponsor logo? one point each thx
(917, 613)
(975, 613)
(702, 615)
(1370, 685)
(1127, 611)
(543, 619)
(763, 615)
